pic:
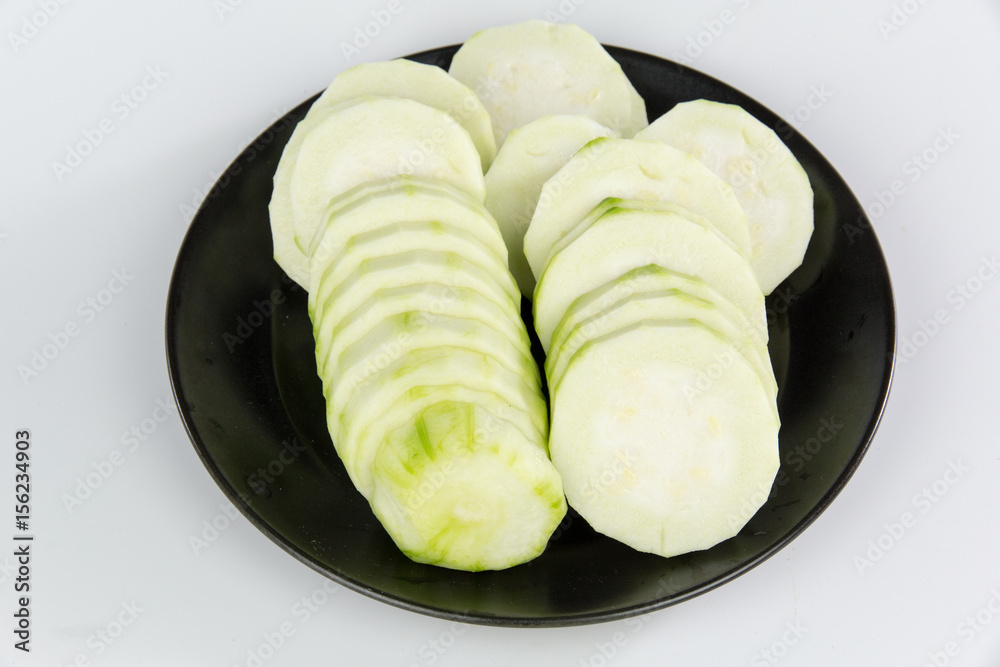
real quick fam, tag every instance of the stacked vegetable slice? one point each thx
(411, 81)
(433, 399)
(664, 415)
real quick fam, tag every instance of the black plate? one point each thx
(240, 355)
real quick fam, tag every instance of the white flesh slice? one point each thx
(376, 398)
(650, 463)
(609, 203)
(400, 237)
(494, 305)
(370, 439)
(434, 298)
(398, 338)
(529, 157)
(453, 494)
(766, 178)
(527, 70)
(468, 365)
(287, 254)
(381, 210)
(412, 197)
(629, 169)
(406, 269)
(588, 311)
(661, 306)
(622, 240)
(379, 138)
(427, 84)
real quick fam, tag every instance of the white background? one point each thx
(225, 76)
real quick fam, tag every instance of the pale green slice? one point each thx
(378, 138)
(529, 157)
(457, 488)
(770, 184)
(435, 299)
(623, 240)
(428, 84)
(629, 169)
(531, 69)
(637, 295)
(662, 306)
(402, 237)
(649, 462)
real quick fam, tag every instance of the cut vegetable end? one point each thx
(459, 490)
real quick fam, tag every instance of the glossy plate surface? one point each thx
(240, 355)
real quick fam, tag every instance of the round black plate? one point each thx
(240, 356)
